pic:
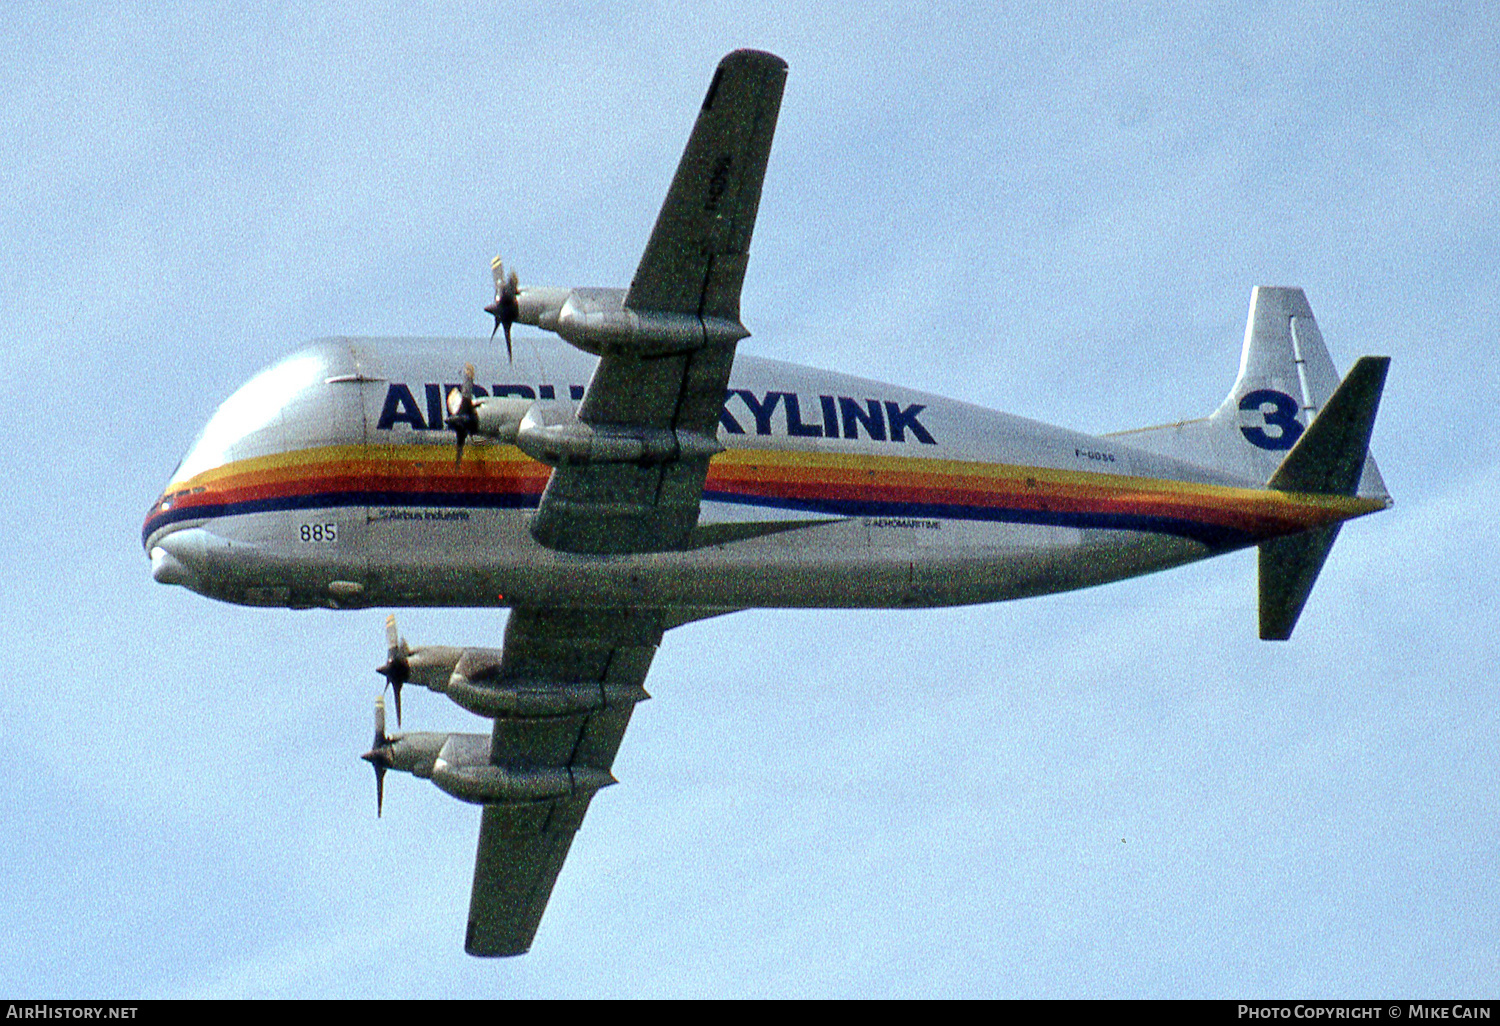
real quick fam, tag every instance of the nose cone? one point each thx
(167, 568)
(190, 557)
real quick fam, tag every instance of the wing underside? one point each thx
(667, 383)
(522, 846)
(693, 266)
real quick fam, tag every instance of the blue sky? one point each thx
(1057, 210)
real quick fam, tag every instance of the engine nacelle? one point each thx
(498, 785)
(469, 676)
(552, 435)
(416, 753)
(499, 417)
(597, 321)
(432, 665)
(474, 686)
(518, 701)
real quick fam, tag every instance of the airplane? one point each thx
(636, 473)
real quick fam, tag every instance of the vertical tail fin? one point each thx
(1288, 424)
(1286, 378)
(1299, 429)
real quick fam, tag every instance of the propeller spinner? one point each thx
(379, 755)
(506, 307)
(462, 417)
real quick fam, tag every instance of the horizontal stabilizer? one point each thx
(1288, 570)
(1328, 459)
(1330, 456)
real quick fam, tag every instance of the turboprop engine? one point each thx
(471, 677)
(551, 433)
(496, 417)
(460, 765)
(598, 321)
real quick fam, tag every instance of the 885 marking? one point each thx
(326, 532)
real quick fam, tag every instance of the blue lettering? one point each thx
(760, 410)
(400, 406)
(434, 407)
(870, 417)
(830, 416)
(726, 419)
(794, 425)
(523, 391)
(575, 392)
(1282, 416)
(546, 392)
(900, 420)
(878, 420)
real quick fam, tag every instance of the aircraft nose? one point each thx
(183, 555)
(167, 568)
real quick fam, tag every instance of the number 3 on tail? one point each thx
(1279, 411)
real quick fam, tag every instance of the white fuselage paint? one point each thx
(307, 489)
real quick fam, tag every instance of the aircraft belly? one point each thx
(355, 557)
(490, 559)
(1035, 564)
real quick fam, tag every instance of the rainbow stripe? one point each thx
(501, 477)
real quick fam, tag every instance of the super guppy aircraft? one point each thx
(639, 474)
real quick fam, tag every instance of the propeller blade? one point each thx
(510, 309)
(396, 670)
(506, 307)
(462, 417)
(379, 756)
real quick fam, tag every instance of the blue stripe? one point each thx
(336, 500)
(1216, 537)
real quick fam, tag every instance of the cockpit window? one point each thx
(257, 404)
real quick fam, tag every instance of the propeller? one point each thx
(397, 668)
(379, 755)
(462, 417)
(506, 307)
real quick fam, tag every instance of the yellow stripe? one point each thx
(775, 465)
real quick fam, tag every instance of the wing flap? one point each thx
(621, 507)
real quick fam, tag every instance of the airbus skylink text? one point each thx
(770, 413)
(1458, 1011)
(43, 1011)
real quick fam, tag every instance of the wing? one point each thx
(693, 265)
(522, 846)
(674, 382)
(695, 261)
